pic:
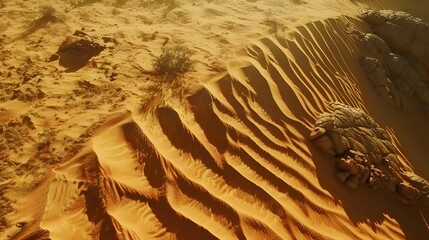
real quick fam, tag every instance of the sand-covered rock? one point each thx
(364, 152)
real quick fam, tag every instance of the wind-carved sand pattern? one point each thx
(232, 161)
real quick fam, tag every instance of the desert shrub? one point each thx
(174, 61)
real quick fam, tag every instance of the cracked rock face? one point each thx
(350, 128)
(404, 33)
(397, 63)
(364, 153)
(417, 182)
(378, 76)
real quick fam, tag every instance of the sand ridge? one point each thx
(231, 160)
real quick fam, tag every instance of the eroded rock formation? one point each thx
(364, 153)
(404, 33)
(397, 61)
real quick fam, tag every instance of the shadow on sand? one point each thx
(365, 206)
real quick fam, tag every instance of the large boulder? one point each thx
(75, 52)
(348, 128)
(364, 153)
(397, 57)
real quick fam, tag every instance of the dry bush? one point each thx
(174, 61)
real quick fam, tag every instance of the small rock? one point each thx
(342, 176)
(324, 143)
(363, 174)
(110, 40)
(53, 57)
(410, 193)
(352, 182)
(348, 165)
(416, 181)
(21, 224)
(27, 121)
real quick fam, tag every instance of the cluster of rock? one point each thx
(27, 93)
(397, 62)
(364, 153)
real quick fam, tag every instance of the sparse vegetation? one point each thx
(48, 15)
(174, 61)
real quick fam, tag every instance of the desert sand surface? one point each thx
(300, 119)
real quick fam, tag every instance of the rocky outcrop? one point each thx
(378, 76)
(75, 52)
(397, 60)
(405, 34)
(364, 153)
(395, 78)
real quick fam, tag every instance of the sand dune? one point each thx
(232, 159)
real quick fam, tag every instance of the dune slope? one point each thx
(231, 162)
(233, 159)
